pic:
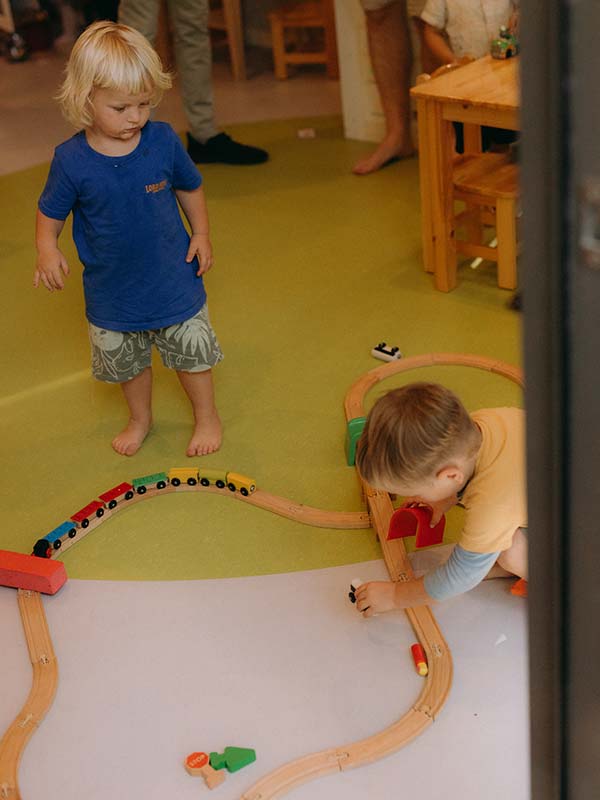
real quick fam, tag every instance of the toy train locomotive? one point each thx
(191, 476)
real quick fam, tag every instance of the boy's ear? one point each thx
(452, 472)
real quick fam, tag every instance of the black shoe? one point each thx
(222, 149)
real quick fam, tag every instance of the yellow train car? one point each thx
(240, 483)
(179, 475)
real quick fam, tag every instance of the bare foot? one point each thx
(392, 147)
(206, 437)
(129, 441)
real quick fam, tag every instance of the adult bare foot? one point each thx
(207, 436)
(391, 148)
(130, 439)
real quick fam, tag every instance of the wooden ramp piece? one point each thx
(21, 571)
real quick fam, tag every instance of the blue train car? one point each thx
(54, 539)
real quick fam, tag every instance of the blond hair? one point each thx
(411, 432)
(109, 56)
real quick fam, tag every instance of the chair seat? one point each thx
(487, 175)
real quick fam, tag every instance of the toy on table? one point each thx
(386, 352)
(409, 520)
(420, 659)
(198, 764)
(505, 45)
(21, 571)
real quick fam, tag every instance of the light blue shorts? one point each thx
(189, 346)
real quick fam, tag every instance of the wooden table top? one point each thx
(488, 82)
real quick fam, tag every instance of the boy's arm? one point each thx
(437, 44)
(194, 208)
(461, 573)
(51, 264)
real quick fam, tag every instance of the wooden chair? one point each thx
(226, 16)
(488, 186)
(304, 15)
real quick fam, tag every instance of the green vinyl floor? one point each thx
(313, 267)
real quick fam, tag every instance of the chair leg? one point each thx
(277, 37)
(330, 40)
(506, 230)
(235, 38)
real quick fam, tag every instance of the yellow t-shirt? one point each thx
(495, 499)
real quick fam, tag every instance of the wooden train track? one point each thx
(436, 685)
(45, 679)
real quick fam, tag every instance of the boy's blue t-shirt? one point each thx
(127, 228)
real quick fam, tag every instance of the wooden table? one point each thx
(484, 92)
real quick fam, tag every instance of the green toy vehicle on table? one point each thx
(505, 45)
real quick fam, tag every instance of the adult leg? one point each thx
(143, 16)
(138, 395)
(391, 59)
(194, 65)
(207, 434)
(191, 41)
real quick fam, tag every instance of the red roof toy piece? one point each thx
(414, 520)
(21, 571)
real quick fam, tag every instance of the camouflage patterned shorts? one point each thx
(189, 346)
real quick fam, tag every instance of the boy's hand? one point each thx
(375, 597)
(200, 247)
(379, 596)
(50, 268)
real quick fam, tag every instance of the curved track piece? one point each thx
(45, 679)
(439, 679)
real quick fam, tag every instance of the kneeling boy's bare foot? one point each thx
(206, 437)
(129, 441)
(392, 147)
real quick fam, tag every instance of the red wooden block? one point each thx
(21, 571)
(414, 521)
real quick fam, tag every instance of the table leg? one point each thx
(441, 150)
(425, 178)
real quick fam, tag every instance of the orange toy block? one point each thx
(199, 764)
(519, 588)
(21, 571)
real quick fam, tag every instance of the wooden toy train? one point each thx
(46, 547)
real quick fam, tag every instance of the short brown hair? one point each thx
(411, 432)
